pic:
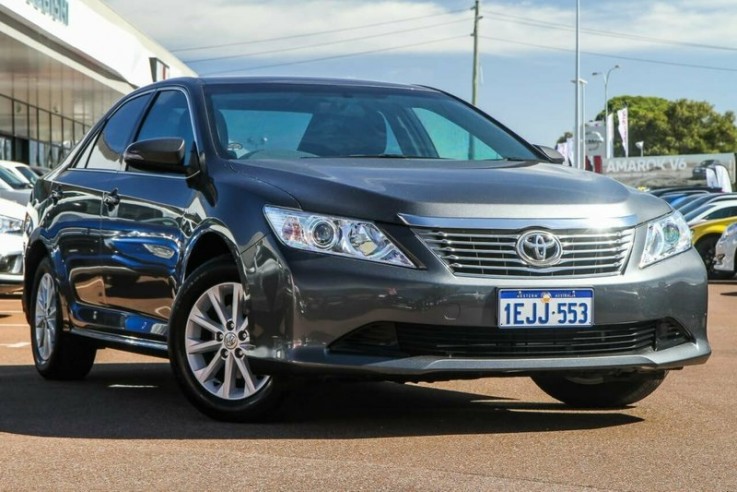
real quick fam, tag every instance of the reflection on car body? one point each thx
(253, 230)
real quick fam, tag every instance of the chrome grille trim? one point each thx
(493, 253)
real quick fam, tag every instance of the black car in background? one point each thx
(256, 230)
(699, 172)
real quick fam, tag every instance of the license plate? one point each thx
(529, 308)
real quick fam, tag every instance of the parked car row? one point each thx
(709, 215)
(16, 181)
(11, 246)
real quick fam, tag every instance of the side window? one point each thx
(107, 150)
(450, 140)
(722, 213)
(168, 117)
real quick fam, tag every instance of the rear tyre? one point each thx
(599, 391)
(707, 249)
(57, 355)
(209, 343)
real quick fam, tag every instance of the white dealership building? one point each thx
(63, 63)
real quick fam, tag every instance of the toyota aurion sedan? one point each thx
(259, 231)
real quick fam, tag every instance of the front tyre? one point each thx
(209, 342)
(57, 355)
(600, 391)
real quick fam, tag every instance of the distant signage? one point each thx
(58, 10)
(665, 170)
(159, 69)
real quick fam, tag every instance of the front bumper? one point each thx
(304, 305)
(11, 263)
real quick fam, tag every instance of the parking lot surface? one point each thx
(127, 427)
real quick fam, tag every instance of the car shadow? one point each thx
(142, 401)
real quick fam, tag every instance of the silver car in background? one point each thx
(11, 246)
(726, 249)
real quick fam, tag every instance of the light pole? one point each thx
(607, 144)
(641, 145)
(583, 122)
(577, 122)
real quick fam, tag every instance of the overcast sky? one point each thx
(672, 49)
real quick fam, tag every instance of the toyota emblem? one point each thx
(539, 248)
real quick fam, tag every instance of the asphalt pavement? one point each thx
(127, 427)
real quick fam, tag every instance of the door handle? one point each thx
(111, 199)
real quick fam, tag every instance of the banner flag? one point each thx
(609, 151)
(622, 116)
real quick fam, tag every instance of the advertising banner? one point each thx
(666, 170)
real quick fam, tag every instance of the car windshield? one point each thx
(28, 173)
(307, 121)
(12, 180)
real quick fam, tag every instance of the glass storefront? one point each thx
(35, 136)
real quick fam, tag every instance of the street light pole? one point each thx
(607, 145)
(475, 74)
(641, 145)
(583, 122)
(581, 148)
(577, 122)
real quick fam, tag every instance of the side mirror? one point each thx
(551, 154)
(156, 154)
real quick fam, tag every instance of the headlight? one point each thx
(334, 235)
(665, 237)
(11, 225)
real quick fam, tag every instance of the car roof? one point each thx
(276, 80)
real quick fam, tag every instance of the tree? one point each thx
(565, 137)
(674, 127)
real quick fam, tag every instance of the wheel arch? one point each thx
(707, 236)
(33, 257)
(206, 246)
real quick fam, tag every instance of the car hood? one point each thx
(384, 189)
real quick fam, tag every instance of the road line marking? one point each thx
(15, 345)
(13, 325)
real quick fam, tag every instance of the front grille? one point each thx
(494, 254)
(407, 339)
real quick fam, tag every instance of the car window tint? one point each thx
(697, 212)
(168, 117)
(722, 213)
(254, 130)
(452, 141)
(109, 145)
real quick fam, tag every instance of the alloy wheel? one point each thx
(217, 339)
(45, 317)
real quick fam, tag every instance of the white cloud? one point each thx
(515, 28)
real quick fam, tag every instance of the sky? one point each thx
(672, 49)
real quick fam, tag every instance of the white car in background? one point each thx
(13, 187)
(711, 211)
(21, 170)
(725, 250)
(11, 246)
